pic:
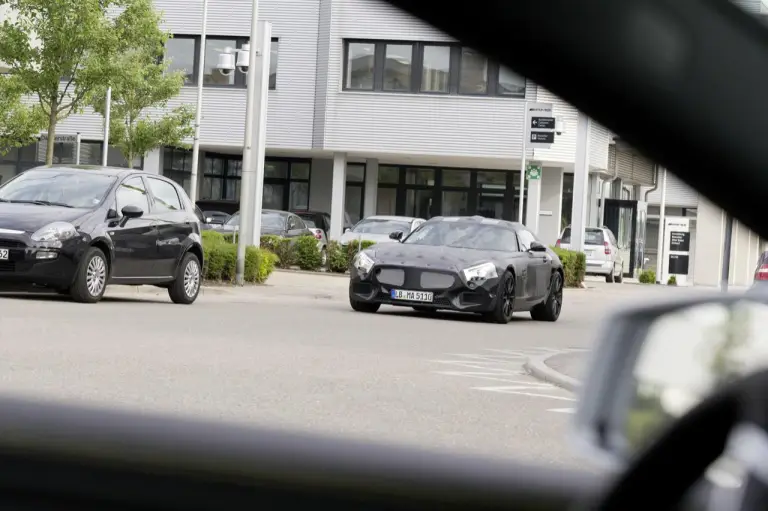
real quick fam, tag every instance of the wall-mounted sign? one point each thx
(539, 125)
(533, 172)
(677, 246)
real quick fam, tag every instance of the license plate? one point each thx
(411, 296)
(3, 254)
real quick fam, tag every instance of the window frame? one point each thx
(241, 79)
(417, 70)
(155, 203)
(195, 56)
(147, 193)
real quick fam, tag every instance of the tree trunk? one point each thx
(129, 157)
(52, 120)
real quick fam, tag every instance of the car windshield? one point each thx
(269, 220)
(60, 188)
(480, 236)
(381, 226)
(309, 221)
(591, 236)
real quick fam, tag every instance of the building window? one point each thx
(177, 166)
(221, 177)
(426, 68)
(181, 52)
(354, 193)
(360, 62)
(473, 78)
(435, 68)
(286, 184)
(398, 59)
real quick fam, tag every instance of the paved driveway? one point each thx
(293, 354)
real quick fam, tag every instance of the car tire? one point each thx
(186, 286)
(359, 306)
(91, 277)
(550, 309)
(620, 277)
(505, 300)
(609, 278)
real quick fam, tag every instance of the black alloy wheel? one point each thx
(505, 300)
(550, 309)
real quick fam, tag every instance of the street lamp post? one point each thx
(199, 111)
(256, 65)
(107, 120)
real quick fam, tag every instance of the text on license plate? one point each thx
(3, 254)
(411, 296)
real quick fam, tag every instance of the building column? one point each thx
(371, 193)
(533, 207)
(338, 189)
(580, 184)
(594, 199)
(153, 161)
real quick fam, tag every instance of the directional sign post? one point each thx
(538, 133)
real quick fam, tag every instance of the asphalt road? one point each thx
(294, 355)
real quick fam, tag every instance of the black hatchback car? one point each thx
(75, 229)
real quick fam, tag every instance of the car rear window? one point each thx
(591, 236)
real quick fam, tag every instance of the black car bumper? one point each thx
(447, 289)
(24, 263)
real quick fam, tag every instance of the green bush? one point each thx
(282, 248)
(574, 266)
(672, 281)
(221, 260)
(647, 277)
(307, 254)
(338, 262)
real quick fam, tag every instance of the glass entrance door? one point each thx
(490, 205)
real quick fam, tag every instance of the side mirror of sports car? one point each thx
(397, 235)
(537, 247)
(652, 364)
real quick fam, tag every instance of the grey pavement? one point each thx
(292, 354)
(572, 364)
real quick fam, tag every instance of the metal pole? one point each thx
(662, 230)
(261, 97)
(724, 277)
(107, 118)
(77, 148)
(246, 196)
(522, 163)
(199, 112)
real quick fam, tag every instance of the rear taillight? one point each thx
(762, 272)
(557, 244)
(607, 248)
(318, 234)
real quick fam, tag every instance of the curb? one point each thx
(306, 272)
(537, 367)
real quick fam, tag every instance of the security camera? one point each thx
(243, 58)
(559, 126)
(226, 64)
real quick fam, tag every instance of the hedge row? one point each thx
(574, 266)
(221, 260)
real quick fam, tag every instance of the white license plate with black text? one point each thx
(3, 254)
(411, 296)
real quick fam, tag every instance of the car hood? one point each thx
(31, 217)
(425, 256)
(349, 237)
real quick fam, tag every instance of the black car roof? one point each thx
(111, 171)
(515, 226)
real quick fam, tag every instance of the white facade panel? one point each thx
(564, 148)
(678, 193)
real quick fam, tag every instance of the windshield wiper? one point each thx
(38, 202)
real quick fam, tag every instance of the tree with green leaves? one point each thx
(139, 121)
(19, 123)
(63, 51)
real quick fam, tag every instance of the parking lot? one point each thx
(293, 354)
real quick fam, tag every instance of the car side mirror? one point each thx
(654, 363)
(130, 211)
(537, 247)
(397, 235)
(347, 230)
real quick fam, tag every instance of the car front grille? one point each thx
(414, 278)
(7, 266)
(11, 244)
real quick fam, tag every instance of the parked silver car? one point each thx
(602, 251)
(377, 228)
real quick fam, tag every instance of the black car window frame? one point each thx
(156, 208)
(147, 193)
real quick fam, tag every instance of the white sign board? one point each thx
(677, 248)
(539, 125)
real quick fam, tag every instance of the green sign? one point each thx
(533, 172)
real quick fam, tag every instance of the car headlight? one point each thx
(476, 275)
(362, 262)
(55, 233)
